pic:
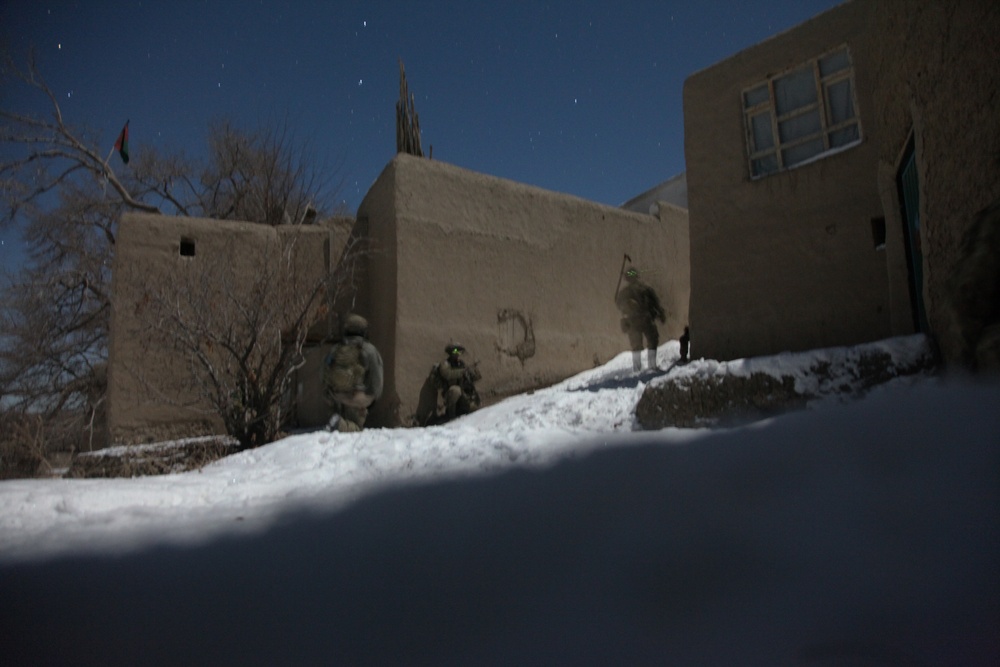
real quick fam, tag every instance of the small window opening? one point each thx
(878, 233)
(187, 247)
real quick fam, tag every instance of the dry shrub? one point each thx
(22, 445)
(156, 459)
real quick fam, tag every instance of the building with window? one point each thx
(833, 174)
(832, 171)
(801, 114)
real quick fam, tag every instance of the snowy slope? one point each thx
(540, 531)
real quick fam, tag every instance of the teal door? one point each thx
(909, 194)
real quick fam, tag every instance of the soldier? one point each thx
(352, 377)
(456, 384)
(640, 306)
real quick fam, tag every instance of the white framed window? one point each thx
(801, 114)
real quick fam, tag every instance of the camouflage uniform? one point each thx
(640, 306)
(352, 377)
(456, 383)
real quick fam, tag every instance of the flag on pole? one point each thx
(121, 145)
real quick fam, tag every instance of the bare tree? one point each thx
(22, 445)
(59, 187)
(51, 158)
(240, 334)
(54, 317)
(264, 177)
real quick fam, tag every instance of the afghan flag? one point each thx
(121, 145)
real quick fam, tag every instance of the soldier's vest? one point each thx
(450, 375)
(635, 302)
(344, 370)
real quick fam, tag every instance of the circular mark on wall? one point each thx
(515, 335)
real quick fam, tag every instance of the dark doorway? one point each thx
(909, 198)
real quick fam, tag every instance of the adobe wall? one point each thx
(939, 79)
(523, 277)
(787, 261)
(150, 397)
(675, 267)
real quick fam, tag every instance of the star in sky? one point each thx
(501, 69)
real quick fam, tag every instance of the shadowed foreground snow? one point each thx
(847, 534)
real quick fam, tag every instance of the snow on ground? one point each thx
(248, 490)
(542, 530)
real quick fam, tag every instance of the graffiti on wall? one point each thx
(515, 334)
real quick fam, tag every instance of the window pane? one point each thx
(802, 152)
(841, 102)
(794, 91)
(791, 118)
(756, 96)
(764, 165)
(801, 126)
(844, 136)
(760, 128)
(833, 63)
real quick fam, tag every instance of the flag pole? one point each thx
(107, 167)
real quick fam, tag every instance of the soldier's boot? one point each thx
(636, 360)
(347, 426)
(651, 359)
(334, 423)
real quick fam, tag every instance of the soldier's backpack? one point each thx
(345, 371)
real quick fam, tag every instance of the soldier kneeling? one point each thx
(455, 382)
(352, 377)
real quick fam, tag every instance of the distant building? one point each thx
(832, 171)
(523, 277)
(672, 191)
(205, 264)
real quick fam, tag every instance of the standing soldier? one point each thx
(640, 306)
(352, 377)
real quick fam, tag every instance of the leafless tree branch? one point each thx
(60, 190)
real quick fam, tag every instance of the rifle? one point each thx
(468, 383)
(621, 274)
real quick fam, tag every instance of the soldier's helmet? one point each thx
(632, 274)
(454, 349)
(355, 325)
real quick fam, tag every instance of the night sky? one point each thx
(581, 96)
